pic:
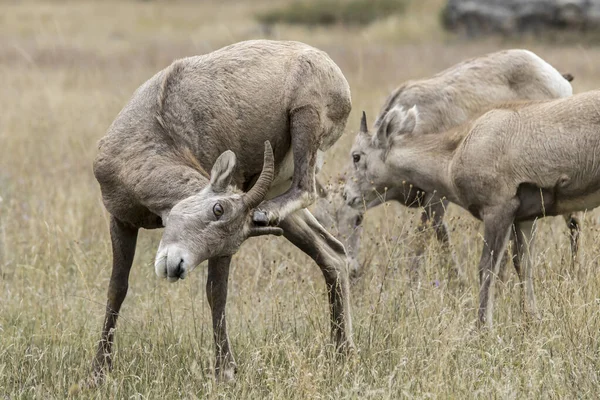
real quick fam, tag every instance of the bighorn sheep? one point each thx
(447, 100)
(513, 164)
(219, 112)
(342, 221)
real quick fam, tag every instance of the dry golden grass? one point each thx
(66, 69)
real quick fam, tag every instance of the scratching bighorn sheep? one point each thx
(515, 163)
(445, 101)
(220, 112)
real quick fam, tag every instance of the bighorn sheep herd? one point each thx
(495, 135)
(512, 164)
(445, 101)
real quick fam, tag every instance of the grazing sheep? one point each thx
(447, 100)
(515, 163)
(342, 221)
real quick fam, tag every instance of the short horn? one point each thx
(363, 123)
(261, 187)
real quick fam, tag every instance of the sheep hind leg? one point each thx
(305, 129)
(303, 230)
(524, 240)
(123, 238)
(574, 233)
(503, 269)
(497, 226)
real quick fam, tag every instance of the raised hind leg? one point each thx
(305, 129)
(303, 230)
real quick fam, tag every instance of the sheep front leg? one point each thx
(497, 226)
(434, 212)
(303, 230)
(305, 129)
(123, 238)
(216, 292)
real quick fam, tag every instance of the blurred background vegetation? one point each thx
(330, 12)
(470, 18)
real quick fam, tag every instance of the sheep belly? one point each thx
(579, 203)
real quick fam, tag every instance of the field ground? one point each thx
(67, 68)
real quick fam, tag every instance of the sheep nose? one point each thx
(344, 195)
(179, 269)
(177, 264)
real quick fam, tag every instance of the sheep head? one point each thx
(214, 222)
(371, 173)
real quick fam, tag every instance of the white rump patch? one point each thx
(554, 79)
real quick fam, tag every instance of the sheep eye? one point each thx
(218, 210)
(356, 158)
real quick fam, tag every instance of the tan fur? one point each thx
(445, 101)
(514, 164)
(459, 92)
(220, 112)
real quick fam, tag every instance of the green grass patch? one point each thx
(332, 12)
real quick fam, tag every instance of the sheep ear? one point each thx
(222, 171)
(397, 122)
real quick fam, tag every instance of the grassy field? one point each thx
(67, 68)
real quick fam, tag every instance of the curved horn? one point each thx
(363, 123)
(261, 187)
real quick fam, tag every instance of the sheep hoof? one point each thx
(227, 375)
(265, 218)
(260, 218)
